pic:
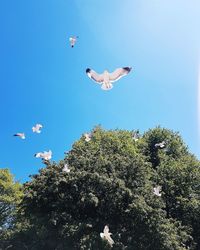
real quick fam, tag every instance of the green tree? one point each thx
(178, 172)
(111, 182)
(10, 197)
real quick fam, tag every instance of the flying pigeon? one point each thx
(106, 235)
(160, 145)
(157, 190)
(135, 136)
(73, 40)
(46, 155)
(21, 135)
(66, 168)
(88, 137)
(107, 78)
(37, 128)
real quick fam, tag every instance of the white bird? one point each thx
(66, 168)
(73, 40)
(107, 78)
(135, 136)
(37, 128)
(157, 190)
(88, 137)
(160, 145)
(46, 155)
(21, 135)
(106, 235)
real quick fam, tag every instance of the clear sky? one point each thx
(43, 80)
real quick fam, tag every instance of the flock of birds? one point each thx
(105, 80)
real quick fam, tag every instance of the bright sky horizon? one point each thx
(43, 79)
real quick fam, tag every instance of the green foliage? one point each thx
(10, 196)
(111, 183)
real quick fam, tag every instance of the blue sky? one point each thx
(43, 80)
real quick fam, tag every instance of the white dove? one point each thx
(88, 137)
(66, 168)
(107, 78)
(46, 155)
(21, 135)
(157, 190)
(73, 40)
(106, 235)
(37, 128)
(160, 145)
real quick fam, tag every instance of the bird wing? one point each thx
(50, 154)
(118, 73)
(38, 126)
(37, 155)
(72, 39)
(21, 135)
(110, 240)
(16, 134)
(159, 188)
(102, 235)
(106, 230)
(95, 76)
(66, 168)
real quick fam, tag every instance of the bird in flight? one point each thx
(135, 136)
(156, 190)
(46, 155)
(160, 145)
(37, 128)
(66, 168)
(88, 137)
(106, 235)
(73, 40)
(21, 135)
(106, 79)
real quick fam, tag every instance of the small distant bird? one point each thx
(21, 135)
(107, 78)
(66, 168)
(157, 190)
(37, 128)
(73, 40)
(106, 235)
(46, 155)
(88, 137)
(135, 136)
(160, 145)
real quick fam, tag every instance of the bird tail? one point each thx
(107, 86)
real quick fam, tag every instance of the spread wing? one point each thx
(106, 230)
(157, 190)
(37, 155)
(95, 76)
(110, 240)
(118, 73)
(38, 126)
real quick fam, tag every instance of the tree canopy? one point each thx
(111, 182)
